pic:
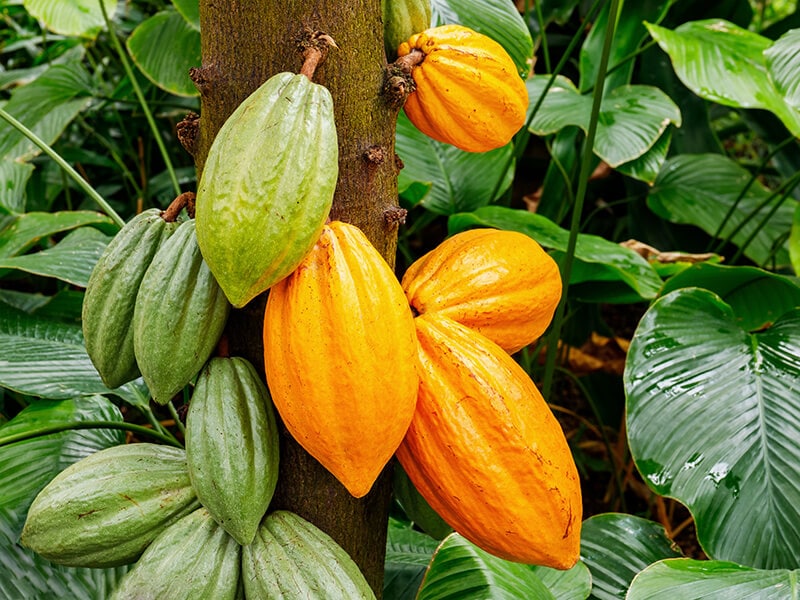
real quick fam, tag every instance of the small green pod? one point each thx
(232, 445)
(291, 559)
(401, 20)
(105, 509)
(179, 315)
(190, 560)
(111, 294)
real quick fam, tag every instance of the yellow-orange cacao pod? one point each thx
(499, 283)
(339, 354)
(468, 91)
(486, 452)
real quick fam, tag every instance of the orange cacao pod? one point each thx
(499, 283)
(339, 354)
(468, 91)
(486, 452)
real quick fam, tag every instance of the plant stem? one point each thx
(123, 57)
(42, 431)
(177, 418)
(80, 181)
(583, 181)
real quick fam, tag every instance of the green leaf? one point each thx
(713, 419)
(71, 260)
(190, 10)
(783, 66)
(497, 19)
(647, 167)
(744, 290)
(47, 358)
(14, 177)
(71, 17)
(616, 547)
(632, 118)
(408, 553)
(165, 47)
(688, 578)
(700, 189)
(29, 229)
(724, 63)
(460, 181)
(461, 570)
(604, 260)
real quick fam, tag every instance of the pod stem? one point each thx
(184, 200)
(398, 81)
(315, 50)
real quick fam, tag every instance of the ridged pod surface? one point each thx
(499, 283)
(105, 509)
(339, 350)
(107, 315)
(401, 20)
(291, 559)
(192, 559)
(179, 315)
(267, 185)
(486, 452)
(469, 93)
(232, 445)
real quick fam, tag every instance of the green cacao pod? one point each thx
(179, 315)
(105, 509)
(190, 560)
(401, 20)
(291, 559)
(267, 185)
(232, 445)
(111, 294)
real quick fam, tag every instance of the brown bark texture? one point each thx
(244, 42)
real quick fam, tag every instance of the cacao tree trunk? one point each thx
(244, 42)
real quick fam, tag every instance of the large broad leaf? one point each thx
(713, 419)
(701, 189)
(71, 260)
(408, 553)
(632, 118)
(744, 290)
(71, 17)
(604, 261)
(14, 176)
(29, 229)
(687, 578)
(616, 547)
(460, 181)
(190, 10)
(47, 358)
(498, 19)
(724, 63)
(783, 66)
(460, 570)
(165, 47)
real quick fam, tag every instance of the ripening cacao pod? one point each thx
(105, 509)
(111, 293)
(179, 315)
(267, 185)
(232, 445)
(191, 559)
(468, 91)
(339, 350)
(486, 452)
(291, 559)
(401, 20)
(499, 283)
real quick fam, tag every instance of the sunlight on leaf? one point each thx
(71, 17)
(783, 65)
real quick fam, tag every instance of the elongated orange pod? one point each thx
(499, 283)
(339, 354)
(486, 452)
(468, 91)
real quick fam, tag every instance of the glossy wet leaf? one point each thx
(724, 63)
(647, 166)
(408, 553)
(165, 47)
(71, 17)
(688, 578)
(713, 419)
(617, 546)
(460, 570)
(783, 66)
(701, 189)
(603, 261)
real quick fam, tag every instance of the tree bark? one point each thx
(244, 42)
